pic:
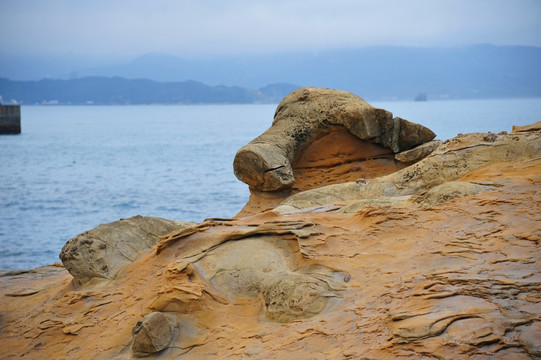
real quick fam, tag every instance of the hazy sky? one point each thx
(112, 28)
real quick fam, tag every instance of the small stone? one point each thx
(294, 297)
(152, 334)
(490, 137)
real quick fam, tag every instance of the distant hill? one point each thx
(116, 90)
(379, 72)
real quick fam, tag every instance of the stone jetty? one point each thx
(10, 119)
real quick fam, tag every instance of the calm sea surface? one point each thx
(74, 167)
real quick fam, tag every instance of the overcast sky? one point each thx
(109, 28)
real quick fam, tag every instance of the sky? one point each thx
(122, 28)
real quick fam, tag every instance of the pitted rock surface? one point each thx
(266, 162)
(101, 252)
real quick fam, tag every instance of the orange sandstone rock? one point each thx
(444, 265)
(334, 156)
(456, 280)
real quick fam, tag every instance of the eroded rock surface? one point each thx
(527, 128)
(152, 334)
(452, 190)
(449, 162)
(266, 163)
(101, 252)
(321, 137)
(458, 280)
(437, 260)
(418, 153)
(261, 261)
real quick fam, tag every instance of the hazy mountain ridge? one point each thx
(117, 90)
(379, 72)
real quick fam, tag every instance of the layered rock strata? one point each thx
(451, 161)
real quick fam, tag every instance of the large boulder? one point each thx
(266, 162)
(101, 252)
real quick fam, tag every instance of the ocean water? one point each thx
(75, 167)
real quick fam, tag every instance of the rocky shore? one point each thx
(363, 238)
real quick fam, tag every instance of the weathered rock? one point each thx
(334, 156)
(527, 128)
(459, 280)
(367, 274)
(452, 190)
(529, 336)
(396, 201)
(294, 297)
(101, 252)
(266, 162)
(152, 334)
(431, 317)
(418, 153)
(270, 267)
(449, 162)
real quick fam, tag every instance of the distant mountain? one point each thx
(116, 90)
(379, 72)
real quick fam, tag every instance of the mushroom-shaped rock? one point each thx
(104, 250)
(266, 162)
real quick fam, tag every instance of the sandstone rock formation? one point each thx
(527, 128)
(101, 252)
(321, 137)
(437, 260)
(418, 153)
(452, 160)
(266, 164)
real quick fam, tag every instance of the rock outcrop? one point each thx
(418, 153)
(437, 260)
(266, 163)
(449, 162)
(101, 252)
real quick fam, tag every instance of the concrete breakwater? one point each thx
(10, 119)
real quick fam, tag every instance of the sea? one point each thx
(75, 167)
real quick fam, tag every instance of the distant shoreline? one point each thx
(273, 103)
(120, 91)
